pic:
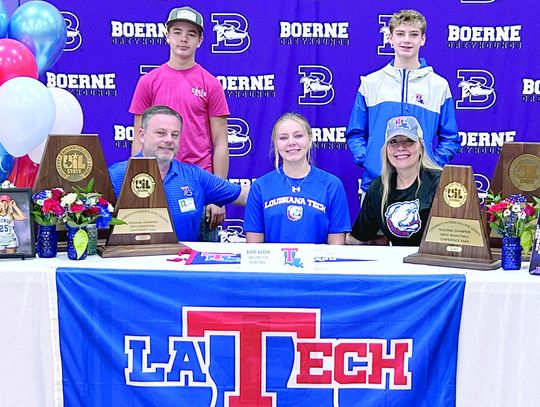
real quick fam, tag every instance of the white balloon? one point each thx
(69, 114)
(27, 114)
(69, 119)
(37, 153)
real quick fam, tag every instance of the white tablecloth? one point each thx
(498, 361)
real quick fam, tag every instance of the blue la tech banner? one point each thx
(165, 338)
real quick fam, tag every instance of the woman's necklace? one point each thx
(296, 188)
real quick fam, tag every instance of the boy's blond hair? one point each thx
(412, 17)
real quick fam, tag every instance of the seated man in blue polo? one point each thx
(188, 188)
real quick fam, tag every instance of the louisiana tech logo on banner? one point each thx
(316, 81)
(477, 91)
(74, 37)
(232, 36)
(384, 30)
(238, 137)
(208, 338)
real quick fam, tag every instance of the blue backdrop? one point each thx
(490, 44)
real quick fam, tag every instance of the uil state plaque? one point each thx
(72, 160)
(142, 204)
(455, 235)
(517, 170)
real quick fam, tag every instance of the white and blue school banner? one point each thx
(176, 338)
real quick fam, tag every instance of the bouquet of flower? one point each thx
(46, 206)
(513, 217)
(83, 207)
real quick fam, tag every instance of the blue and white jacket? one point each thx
(391, 92)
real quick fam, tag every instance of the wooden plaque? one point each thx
(517, 170)
(143, 206)
(455, 235)
(73, 160)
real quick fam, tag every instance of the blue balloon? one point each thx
(42, 28)
(6, 163)
(4, 18)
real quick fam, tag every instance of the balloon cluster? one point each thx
(29, 111)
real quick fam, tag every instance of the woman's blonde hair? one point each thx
(302, 121)
(388, 171)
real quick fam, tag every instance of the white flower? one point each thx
(521, 215)
(516, 208)
(110, 208)
(506, 213)
(69, 199)
(7, 184)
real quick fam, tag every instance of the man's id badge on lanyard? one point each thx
(186, 204)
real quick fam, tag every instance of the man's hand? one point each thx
(215, 215)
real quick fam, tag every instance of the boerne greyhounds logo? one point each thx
(322, 363)
(240, 143)
(232, 36)
(386, 48)
(74, 37)
(316, 81)
(477, 91)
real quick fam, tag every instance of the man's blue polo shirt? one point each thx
(188, 189)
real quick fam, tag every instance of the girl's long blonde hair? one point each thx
(388, 171)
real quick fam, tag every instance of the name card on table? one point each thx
(272, 257)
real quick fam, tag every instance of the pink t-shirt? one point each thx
(194, 93)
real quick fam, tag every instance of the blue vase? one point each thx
(46, 241)
(75, 250)
(511, 253)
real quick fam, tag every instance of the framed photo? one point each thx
(16, 224)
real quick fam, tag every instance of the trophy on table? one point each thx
(517, 172)
(73, 160)
(456, 234)
(142, 204)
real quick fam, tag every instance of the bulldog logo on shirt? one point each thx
(403, 218)
(295, 212)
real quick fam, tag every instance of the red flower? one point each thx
(498, 207)
(102, 201)
(52, 206)
(57, 193)
(76, 208)
(529, 210)
(93, 210)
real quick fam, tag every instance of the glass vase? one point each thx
(92, 231)
(77, 242)
(511, 253)
(46, 241)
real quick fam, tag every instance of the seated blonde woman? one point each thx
(297, 202)
(399, 201)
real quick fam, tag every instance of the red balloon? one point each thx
(24, 172)
(16, 60)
